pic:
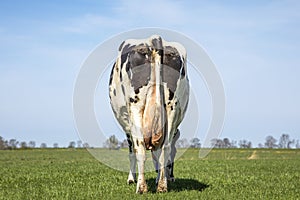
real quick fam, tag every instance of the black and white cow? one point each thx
(149, 93)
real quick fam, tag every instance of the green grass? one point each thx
(223, 174)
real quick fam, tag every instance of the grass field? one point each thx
(223, 174)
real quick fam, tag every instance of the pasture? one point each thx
(223, 174)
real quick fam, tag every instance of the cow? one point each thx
(149, 93)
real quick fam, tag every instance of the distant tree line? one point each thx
(14, 144)
(227, 143)
(284, 142)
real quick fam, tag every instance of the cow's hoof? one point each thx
(131, 181)
(171, 179)
(142, 188)
(162, 187)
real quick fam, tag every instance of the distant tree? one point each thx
(182, 143)
(43, 146)
(72, 144)
(23, 145)
(217, 143)
(260, 145)
(245, 144)
(285, 142)
(79, 144)
(226, 143)
(290, 143)
(195, 143)
(55, 145)
(13, 143)
(6, 144)
(31, 144)
(86, 145)
(214, 142)
(124, 144)
(113, 142)
(297, 144)
(233, 144)
(2, 143)
(106, 144)
(270, 142)
(223, 143)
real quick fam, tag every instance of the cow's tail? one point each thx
(155, 116)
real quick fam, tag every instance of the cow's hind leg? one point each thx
(162, 185)
(166, 156)
(141, 157)
(172, 157)
(138, 146)
(132, 173)
(155, 158)
(132, 158)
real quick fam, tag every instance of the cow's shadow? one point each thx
(180, 184)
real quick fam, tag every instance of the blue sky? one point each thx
(254, 44)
